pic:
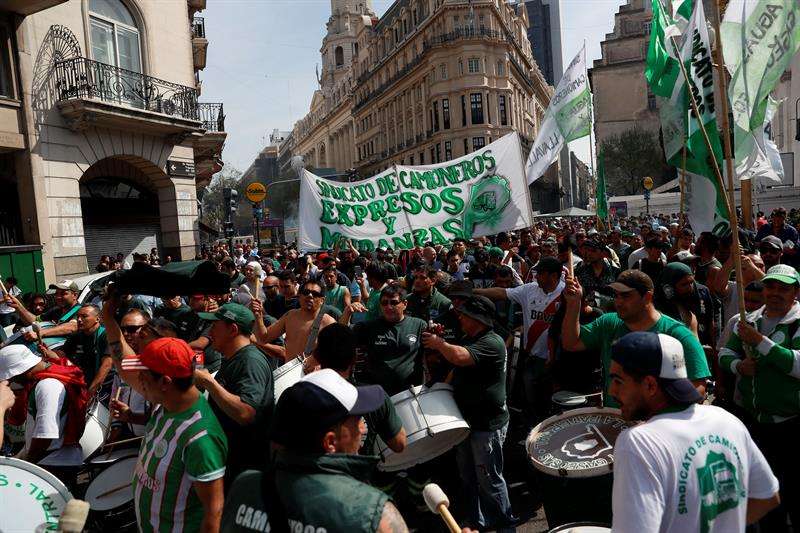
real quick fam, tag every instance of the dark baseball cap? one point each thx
(479, 308)
(233, 312)
(593, 242)
(460, 289)
(633, 280)
(771, 241)
(658, 355)
(318, 402)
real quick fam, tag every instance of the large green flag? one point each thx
(703, 195)
(600, 188)
(759, 39)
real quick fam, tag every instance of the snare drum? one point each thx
(97, 419)
(573, 454)
(110, 496)
(33, 498)
(564, 400)
(287, 375)
(433, 425)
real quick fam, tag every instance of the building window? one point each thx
(474, 65)
(651, 101)
(411, 159)
(463, 110)
(443, 71)
(478, 143)
(446, 113)
(488, 108)
(460, 67)
(476, 105)
(501, 68)
(466, 146)
(482, 22)
(433, 155)
(448, 150)
(6, 85)
(647, 27)
(114, 35)
(438, 152)
(339, 54)
(422, 158)
(501, 105)
(435, 116)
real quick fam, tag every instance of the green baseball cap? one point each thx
(494, 251)
(784, 274)
(232, 312)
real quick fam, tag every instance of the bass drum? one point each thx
(287, 375)
(433, 424)
(97, 420)
(110, 496)
(33, 498)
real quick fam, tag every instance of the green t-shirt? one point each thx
(384, 422)
(335, 297)
(601, 334)
(248, 375)
(427, 308)
(374, 305)
(86, 351)
(480, 389)
(394, 353)
(179, 449)
(186, 321)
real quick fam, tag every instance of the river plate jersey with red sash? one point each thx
(538, 310)
(178, 449)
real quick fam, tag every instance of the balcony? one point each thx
(90, 93)
(199, 43)
(208, 147)
(28, 7)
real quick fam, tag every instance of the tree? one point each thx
(213, 202)
(631, 156)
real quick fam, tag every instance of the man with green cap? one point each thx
(764, 355)
(242, 392)
(682, 298)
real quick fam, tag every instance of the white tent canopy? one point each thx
(569, 212)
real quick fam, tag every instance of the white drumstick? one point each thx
(74, 516)
(438, 503)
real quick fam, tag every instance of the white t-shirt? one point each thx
(678, 469)
(538, 310)
(51, 418)
(641, 253)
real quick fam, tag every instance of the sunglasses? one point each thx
(393, 303)
(131, 329)
(309, 292)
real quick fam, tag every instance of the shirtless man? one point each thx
(296, 323)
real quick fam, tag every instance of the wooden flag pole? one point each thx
(682, 213)
(734, 223)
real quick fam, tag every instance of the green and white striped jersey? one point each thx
(178, 449)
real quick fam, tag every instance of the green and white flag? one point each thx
(568, 117)
(600, 188)
(704, 198)
(759, 39)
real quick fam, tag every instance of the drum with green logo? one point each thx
(573, 454)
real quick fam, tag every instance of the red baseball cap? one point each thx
(323, 256)
(167, 356)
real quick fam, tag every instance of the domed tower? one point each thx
(340, 46)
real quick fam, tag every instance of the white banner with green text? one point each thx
(482, 193)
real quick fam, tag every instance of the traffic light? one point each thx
(234, 202)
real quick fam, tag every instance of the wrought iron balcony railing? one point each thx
(212, 116)
(199, 27)
(80, 78)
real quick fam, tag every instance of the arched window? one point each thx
(115, 37)
(339, 53)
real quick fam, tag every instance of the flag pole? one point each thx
(734, 223)
(682, 215)
(726, 145)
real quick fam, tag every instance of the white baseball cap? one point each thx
(16, 359)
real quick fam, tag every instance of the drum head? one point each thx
(103, 458)
(578, 443)
(96, 427)
(569, 399)
(113, 487)
(582, 527)
(287, 375)
(33, 499)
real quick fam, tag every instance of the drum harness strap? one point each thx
(428, 429)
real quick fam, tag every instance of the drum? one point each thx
(96, 428)
(287, 375)
(33, 499)
(110, 496)
(564, 400)
(582, 527)
(433, 425)
(573, 454)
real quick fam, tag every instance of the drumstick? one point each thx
(258, 289)
(108, 429)
(126, 441)
(437, 502)
(570, 269)
(112, 491)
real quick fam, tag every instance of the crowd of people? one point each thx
(641, 312)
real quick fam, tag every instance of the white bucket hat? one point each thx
(16, 359)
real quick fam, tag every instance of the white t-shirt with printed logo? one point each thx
(538, 310)
(691, 470)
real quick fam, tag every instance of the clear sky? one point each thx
(262, 56)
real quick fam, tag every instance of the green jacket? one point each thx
(428, 308)
(324, 492)
(773, 393)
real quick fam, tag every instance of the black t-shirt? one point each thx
(187, 323)
(480, 389)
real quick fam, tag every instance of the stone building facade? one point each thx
(104, 142)
(429, 81)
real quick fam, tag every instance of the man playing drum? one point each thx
(178, 481)
(633, 299)
(479, 383)
(688, 467)
(63, 313)
(296, 324)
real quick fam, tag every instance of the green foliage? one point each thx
(631, 156)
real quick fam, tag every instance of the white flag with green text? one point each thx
(568, 117)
